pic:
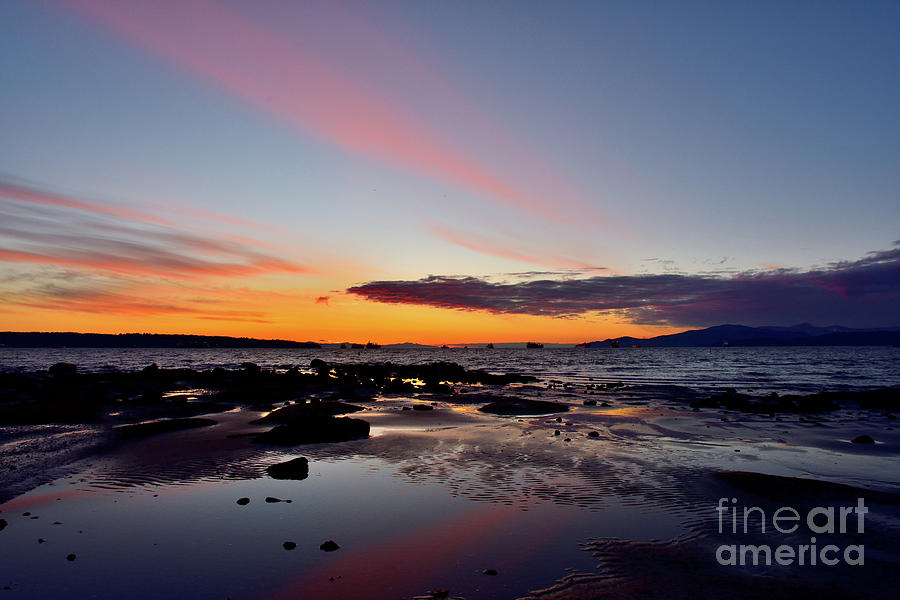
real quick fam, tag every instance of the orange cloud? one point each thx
(271, 73)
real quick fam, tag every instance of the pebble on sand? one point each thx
(243, 501)
(3, 524)
(863, 439)
(490, 571)
(71, 557)
(289, 545)
(329, 546)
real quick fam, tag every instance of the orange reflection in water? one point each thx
(392, 566)
(30, 502)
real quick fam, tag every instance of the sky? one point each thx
(447, 172)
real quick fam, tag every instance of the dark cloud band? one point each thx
(861, 293)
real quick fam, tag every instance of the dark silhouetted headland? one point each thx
(741, 335)
(16, 339)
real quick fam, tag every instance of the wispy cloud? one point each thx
(42, 227)
(24, 193)
(272, 73)
(489, 245)
(864, 292)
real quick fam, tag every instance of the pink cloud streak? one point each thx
(31, 195)
(272, 74)
(484, 245)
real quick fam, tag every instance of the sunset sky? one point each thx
(447, 172)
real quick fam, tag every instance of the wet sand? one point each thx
(620, 503)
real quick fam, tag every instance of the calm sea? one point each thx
(761, 370)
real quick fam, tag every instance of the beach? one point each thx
(457, 489)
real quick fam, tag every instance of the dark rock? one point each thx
(287, 415)
(886, 398)
(556, 432)
(422, 407)
(863, 439)
(317, 363)
(42, 541)
(523, 406)
(3, 524)
(251, 368)
(490, 571)
(315, 430)
(243, 501)
(329, 546)
(559, 419)
(152, 395)
(771, 403)
(606, 405)
(289, 545)
(151, 370)
(297, 468)
(590, 403)
(71, 557)
(273, 499)
(816, 403)
(593, 434)
(62, 370)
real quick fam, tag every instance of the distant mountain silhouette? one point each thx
(18, 339)
(803, 334)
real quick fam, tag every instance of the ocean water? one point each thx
(434, 498)
(757, 370)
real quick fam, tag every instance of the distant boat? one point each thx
(372, 346)
(725, 343)
(357, 346)
(614, 344)
(445, 347)
(491, 346)
(534, 345)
